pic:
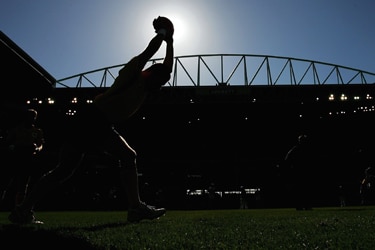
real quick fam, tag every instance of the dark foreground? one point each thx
(286, 228)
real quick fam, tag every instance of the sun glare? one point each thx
(181, 17)
(187, 25)
(180, 28)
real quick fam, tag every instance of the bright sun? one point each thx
(179, 13)
(186, 25)
(180, 28)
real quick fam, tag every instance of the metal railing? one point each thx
(235, 69)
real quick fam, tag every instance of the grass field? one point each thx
(321, 228)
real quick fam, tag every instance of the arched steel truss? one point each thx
(235, 69)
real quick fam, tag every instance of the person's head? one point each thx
(156, 76)
(302, 138)
(30, 117)
(370, 171)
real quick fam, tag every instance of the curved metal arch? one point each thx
(236, 69)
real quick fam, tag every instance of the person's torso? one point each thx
(27, 136)
(125, 96)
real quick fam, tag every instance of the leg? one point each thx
(129, 178)
(6, 184)
(118, 147)
(69, 160)
(21, 185)
(138, 210)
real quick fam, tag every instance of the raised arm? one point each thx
(169, 54)
(151, 49)
(164, 31)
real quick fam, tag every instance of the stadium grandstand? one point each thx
(223, 119)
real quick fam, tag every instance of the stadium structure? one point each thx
(223, 120)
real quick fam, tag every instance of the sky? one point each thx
(69, 37)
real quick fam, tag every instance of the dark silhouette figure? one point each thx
(299, 162)
(93, 129)
(367, 187)
(23, 144)
(243, 198)
(212, 196)
(342, 195)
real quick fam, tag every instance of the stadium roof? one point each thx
(21, 76)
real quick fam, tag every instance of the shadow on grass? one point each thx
(104, 226)
(29, 237)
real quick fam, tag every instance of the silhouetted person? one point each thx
(94, 128)
(300, 163)
(342, 196)
(367, 187)
(23, 142)
(243, 198)
(212, 196)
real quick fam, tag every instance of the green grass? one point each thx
(321, 228)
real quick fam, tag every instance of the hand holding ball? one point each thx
(163, 25)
